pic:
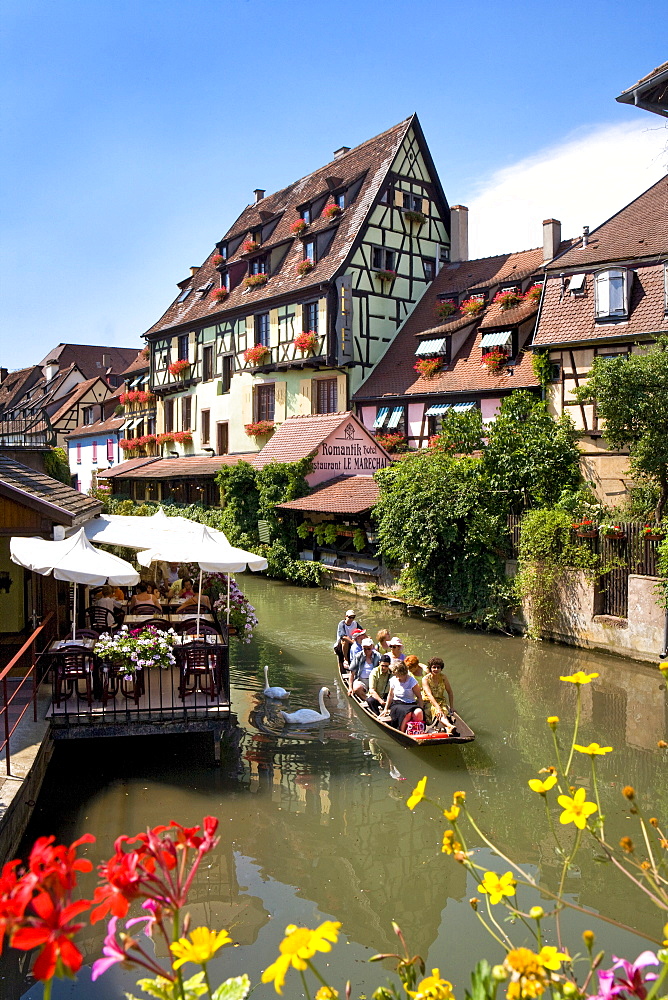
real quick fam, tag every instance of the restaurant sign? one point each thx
(349, 451)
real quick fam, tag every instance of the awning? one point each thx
(438, 409)
(462, 407)
(130, 423)
(501, 338)
(381, 417)
(395, 416)
(432, 348)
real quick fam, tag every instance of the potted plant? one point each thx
(217, 259)
(533, 293)
(255, 280)
(219, 294)
(653, 533)
(612, 531)
(256, 354)
(166, 438)
(259, 428)
(131, 651)
(306, 342)
(145, 396)
(249, 246)
(298, 227)
(494, 361)
(428, 367)
(508, 299)
(304, 266)
(386, 275)
(179, 367)
(242, 613)
(183, 437)
(331, 211)
(444, 310)
(585, 529)
(472, 306)
(415, 217)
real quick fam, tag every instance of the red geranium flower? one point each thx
(53, 930)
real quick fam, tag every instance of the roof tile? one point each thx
(344, 495)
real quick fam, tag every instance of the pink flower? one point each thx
(633, 982)
(111, 950)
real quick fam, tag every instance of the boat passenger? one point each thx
(356, 645)
(415, 668)
(344, 631)
(379, 684)
(396, 651)
(438, 697)
(361, 667)
(382, 640)
(146, 594)
(404, 701)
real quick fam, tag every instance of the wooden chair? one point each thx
(74, 663)
(158, 623)
(190, 627)
(152, 610)
(100, 618)
(84, 633)
(200, 660)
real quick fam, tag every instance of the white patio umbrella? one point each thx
(73, 559)
(139, 532)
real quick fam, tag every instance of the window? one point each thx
(222, 250)
(429, 269)
(612, 293)
(228, 371)
(413, 202)
(310, 251)
(222, 438)
(186, 410)
(95, 451)
(184, 294)
(443, 255)
(79, 453)
(264, 401)
(262, 329)
(88, 414)
(385, 196)
(169, 414)
(326, 397)
(206, 425)
(205, 289)
(258, 265)
(110, 449)
(340, 199)
(310, 316)
(225, 280)
(305, 213)
(577, 284)
(382, 259)
(207, 363)
(182, 347)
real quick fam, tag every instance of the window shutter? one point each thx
(299, 318)
(250, 331)
(247, 405)
(95, 451)
(280, 400)
(305, 404)
(399, 198)
(78, 454)
(322, 321)
(342, 391)
(110, 449)
(192, 347)
(425, 206)
(273, 327)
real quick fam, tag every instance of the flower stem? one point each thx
(306, 992)
(206, 980)
(657, 982)
(179, 972)
(598, 800)
(575, 732)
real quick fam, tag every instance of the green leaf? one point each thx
(233, 989)
(483, 986)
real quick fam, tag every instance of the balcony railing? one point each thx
(27, 432)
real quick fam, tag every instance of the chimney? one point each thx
(585, 235)
(341, 151)
(459, 232)
(259, 194)
(551, 239)
(3, 375)
(193, 271)
(50, 369)
(106, 360)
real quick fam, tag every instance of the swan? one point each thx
(273, 692)
(306, 715)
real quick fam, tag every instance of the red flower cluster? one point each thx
(136, 396)
(178, 367)
(493, 360)
(427, 367)
(508, 299)
(254, 355)
(446, 309)
(259, 427)
(306, 342)
(256, 280)
(248, 246)
(533, 293)
(217, 259)
(304, 266)
(182, 437)
(392, 442)
(331, 211)
(298, 227)
(471, 307)
(219, 294)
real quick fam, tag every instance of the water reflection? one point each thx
(314, 823)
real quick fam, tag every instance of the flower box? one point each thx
(331, 211)
(166, 438)
(386, 275)
(471, 307)
(494, 361)
(183, 437)
(256, 280)
(219, 294)
(533, 293)
(217, 260)
(249, 246)
(394, 443)
(507, 300)
(415, 217)
(259, 428)
(306, 342)
(178, 367)
(444, 310)
(298, 227)
(255, 355)
(304, 266)
(428, 367)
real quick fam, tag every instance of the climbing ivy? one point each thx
(57, 466)
(543, 368)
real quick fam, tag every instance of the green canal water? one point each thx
(314, 826)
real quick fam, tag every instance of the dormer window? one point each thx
(339, 199)
(437, 348)
(305, 214)
(258, 265)
(612, 289)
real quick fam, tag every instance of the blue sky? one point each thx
(135, 132)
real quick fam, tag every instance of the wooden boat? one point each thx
(427, 739)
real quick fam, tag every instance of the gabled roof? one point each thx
(99, 427)
(54, 500)
(140, 364)
(650, 92)
(16, 383)
(88, 358)
(73, 398)
(369, 161)
(638, 231)
(344, 495)
(300, 436)
(173, 468)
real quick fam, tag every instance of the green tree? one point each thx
(530, 457)
(239, 496)
(461, 433)
(630, 393)
(57, 466)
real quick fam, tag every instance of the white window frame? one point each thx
(612, 301)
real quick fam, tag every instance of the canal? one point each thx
(315, 826)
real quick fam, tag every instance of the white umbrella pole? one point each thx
(228, 600)
(74, 616)
(199, 599)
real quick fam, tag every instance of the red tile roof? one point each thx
(344, 495)
(371, 161)
(140, 364)
(99, 427)
(173, 468)
(298, 437)
(498, 318)
(639, 230)
(88, 358)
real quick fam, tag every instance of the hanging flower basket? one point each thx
(304, 266)
(417, 218)
(444, 310)
(652, 533)
(585, 529)
(428, 367)
(219, 294)
(306, 342)
(256, 280)
(249, 246)
(331, 211)
(613, 532)
(507, 300)
(494, 361)
(386, 275)
(217, 259)
(298, 227)
(255, 355)
(179, 367)
(471, 307)
(533, 293)
(259, 428)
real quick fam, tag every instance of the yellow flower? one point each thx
(536, 785)
(528, 979)
(326, 993)
(576, 810)
(550, 958)
(553, 720)
(497, 887)
(458, 796)
(452, 813)
(450, 845)
(432, 988)
(594, 750)
(201, 948)
(417, 794)
(298, 945)
(580, 677)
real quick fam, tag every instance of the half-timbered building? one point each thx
(608, 295)
(301, 297)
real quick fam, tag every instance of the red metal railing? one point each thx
(26, 662)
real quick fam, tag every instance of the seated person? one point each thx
(438, 697)
(415, 668)
(356, 643)
(404, 701)
(145, 594)
(361, 667)
(382, 640)
(396, 648)
(344, 631)
(182, 590)
(105, 599)
(190, 603)
(379, 685)
(170, 575)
